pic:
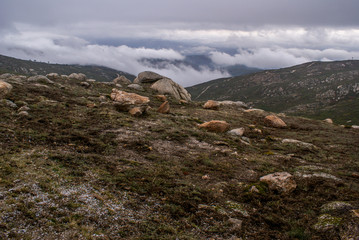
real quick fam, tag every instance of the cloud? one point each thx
(44, 46)
(268, 58)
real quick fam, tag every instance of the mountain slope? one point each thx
(316, 89)
(72, 166)
(102, 74)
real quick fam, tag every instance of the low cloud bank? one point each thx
(72, 50)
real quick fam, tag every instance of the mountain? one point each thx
(102, 74)
(316, 89)
(75, 165)
(198, 62)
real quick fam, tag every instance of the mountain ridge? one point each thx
(314, 89)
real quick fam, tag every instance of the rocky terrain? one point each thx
(83, 159)
(317, 90)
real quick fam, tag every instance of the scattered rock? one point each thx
(254, 189)
(274, 121)
(24, 108)
(254, 110)
(23, 114)
(118, 85)
(280, 181)
(162, 98)
(328, 120)
(5, 88)
(40, 79)
(85, 84)
(121, 80)
(237, 132)
(6, 75)
(65, 77)
(236, 224)
(53, 76)
(355, 126)
(124, 101)
(336, 206)
(91, 80)
(136, 111)
(136, 87)
(237, 104)
(9, 103)
(327, 222)
(299, 143)
(167, 86)
(317, 174)
(148, 77)
(215, 126)
(183, 102)
(77, 76)
(164, 108)
(237, 207)
(210, 104)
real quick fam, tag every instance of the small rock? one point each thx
(5, 89)
(136, 111)
(215, 126)
(236, 224)
(91, 80)
(23, 114)
(24, 108)
(205, 177)
(118, 85)
(9, 103)
(280, 181)
(164, 108)
(162, 98)
(274, 121)
(328, 120)
(237, 104)
(210, 104)
(335, 206)
(254, 189)
(85, 84)
(136, 87)
(237, 132)
(299, 143)
(183, 102)
(355, 126)
(327, 222)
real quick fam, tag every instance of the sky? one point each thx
(119, 33)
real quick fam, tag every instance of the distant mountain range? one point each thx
(199, 62)
(101, 74)
(316, 89)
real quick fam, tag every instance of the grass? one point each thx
(73, 171)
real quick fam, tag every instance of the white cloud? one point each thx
(65, 49)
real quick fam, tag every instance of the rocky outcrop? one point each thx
(163, 85)
(280, 181)
(167, 86)
(215, 126)
(121, 80)
(210, 104)
(5, 88)
(148, 77)
(274, 121)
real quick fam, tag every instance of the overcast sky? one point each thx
(118, 33)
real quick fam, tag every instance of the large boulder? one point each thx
(5, 88)
(280, 181)
(148, 77)
(168, 86)
(215, 126)
(274, 121)
(121, 80)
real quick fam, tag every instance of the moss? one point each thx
(326, 222)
